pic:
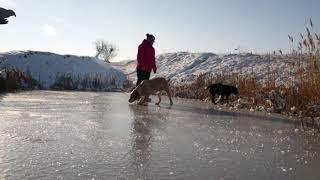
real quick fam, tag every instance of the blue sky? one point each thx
(219, 26)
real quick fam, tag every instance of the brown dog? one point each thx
(149, 87)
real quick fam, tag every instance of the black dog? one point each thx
(221, 90)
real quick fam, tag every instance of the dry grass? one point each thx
(17, 80)
(87, 82)
(300, 93)
(195, 90)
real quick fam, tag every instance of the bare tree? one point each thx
(105, 50)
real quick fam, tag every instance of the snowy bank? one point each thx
(184, 67)
(47, 68)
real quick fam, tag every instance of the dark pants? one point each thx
(142, 75)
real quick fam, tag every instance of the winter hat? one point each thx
(150, 37)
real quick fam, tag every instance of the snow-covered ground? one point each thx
(180, 67)
(45, 67)
(183, 67)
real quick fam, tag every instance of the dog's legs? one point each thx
(213, 99)
(220, 99)
(159, 96)
(313, 123)
(169, 95)
(318, 125)
(142, 100)
(302, 124)
(227, 99)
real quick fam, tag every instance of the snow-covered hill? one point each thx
(45, 67)
(183, 67)
(180, 67)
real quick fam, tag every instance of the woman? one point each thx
(146, 61)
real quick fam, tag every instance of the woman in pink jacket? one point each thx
(146, 61)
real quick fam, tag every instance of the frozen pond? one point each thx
(85, 135)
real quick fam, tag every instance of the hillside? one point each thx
(47, 67)
(183, 67)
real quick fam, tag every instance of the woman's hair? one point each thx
(150, 37)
